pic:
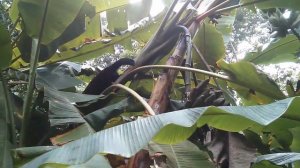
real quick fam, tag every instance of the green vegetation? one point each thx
(185, 103)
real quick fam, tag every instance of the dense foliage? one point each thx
(189, 100)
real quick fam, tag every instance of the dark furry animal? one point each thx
(106, 77)
(103, 80)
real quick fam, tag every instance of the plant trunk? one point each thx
(159, 99)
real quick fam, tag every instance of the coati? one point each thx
(100, 82)
(106, 77)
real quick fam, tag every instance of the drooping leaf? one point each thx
(58, 76)
(98, 118)
(184, 155)
(5, 48)
(122, 140)
(98, 48)
(61, 111)
(280, 158)
(284, 50)
(32, 13)
(245, 74)
(74, 29)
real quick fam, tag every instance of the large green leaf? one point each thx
(290, 4)
(79, 49)
(184, 155)
(57, 19)
(5, 48)
(283, 50)
(245, 74)
(210, 43)
(129, 138)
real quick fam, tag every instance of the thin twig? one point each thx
(134, 94)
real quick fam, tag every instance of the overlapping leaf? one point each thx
(129, 138)
(58, 75)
